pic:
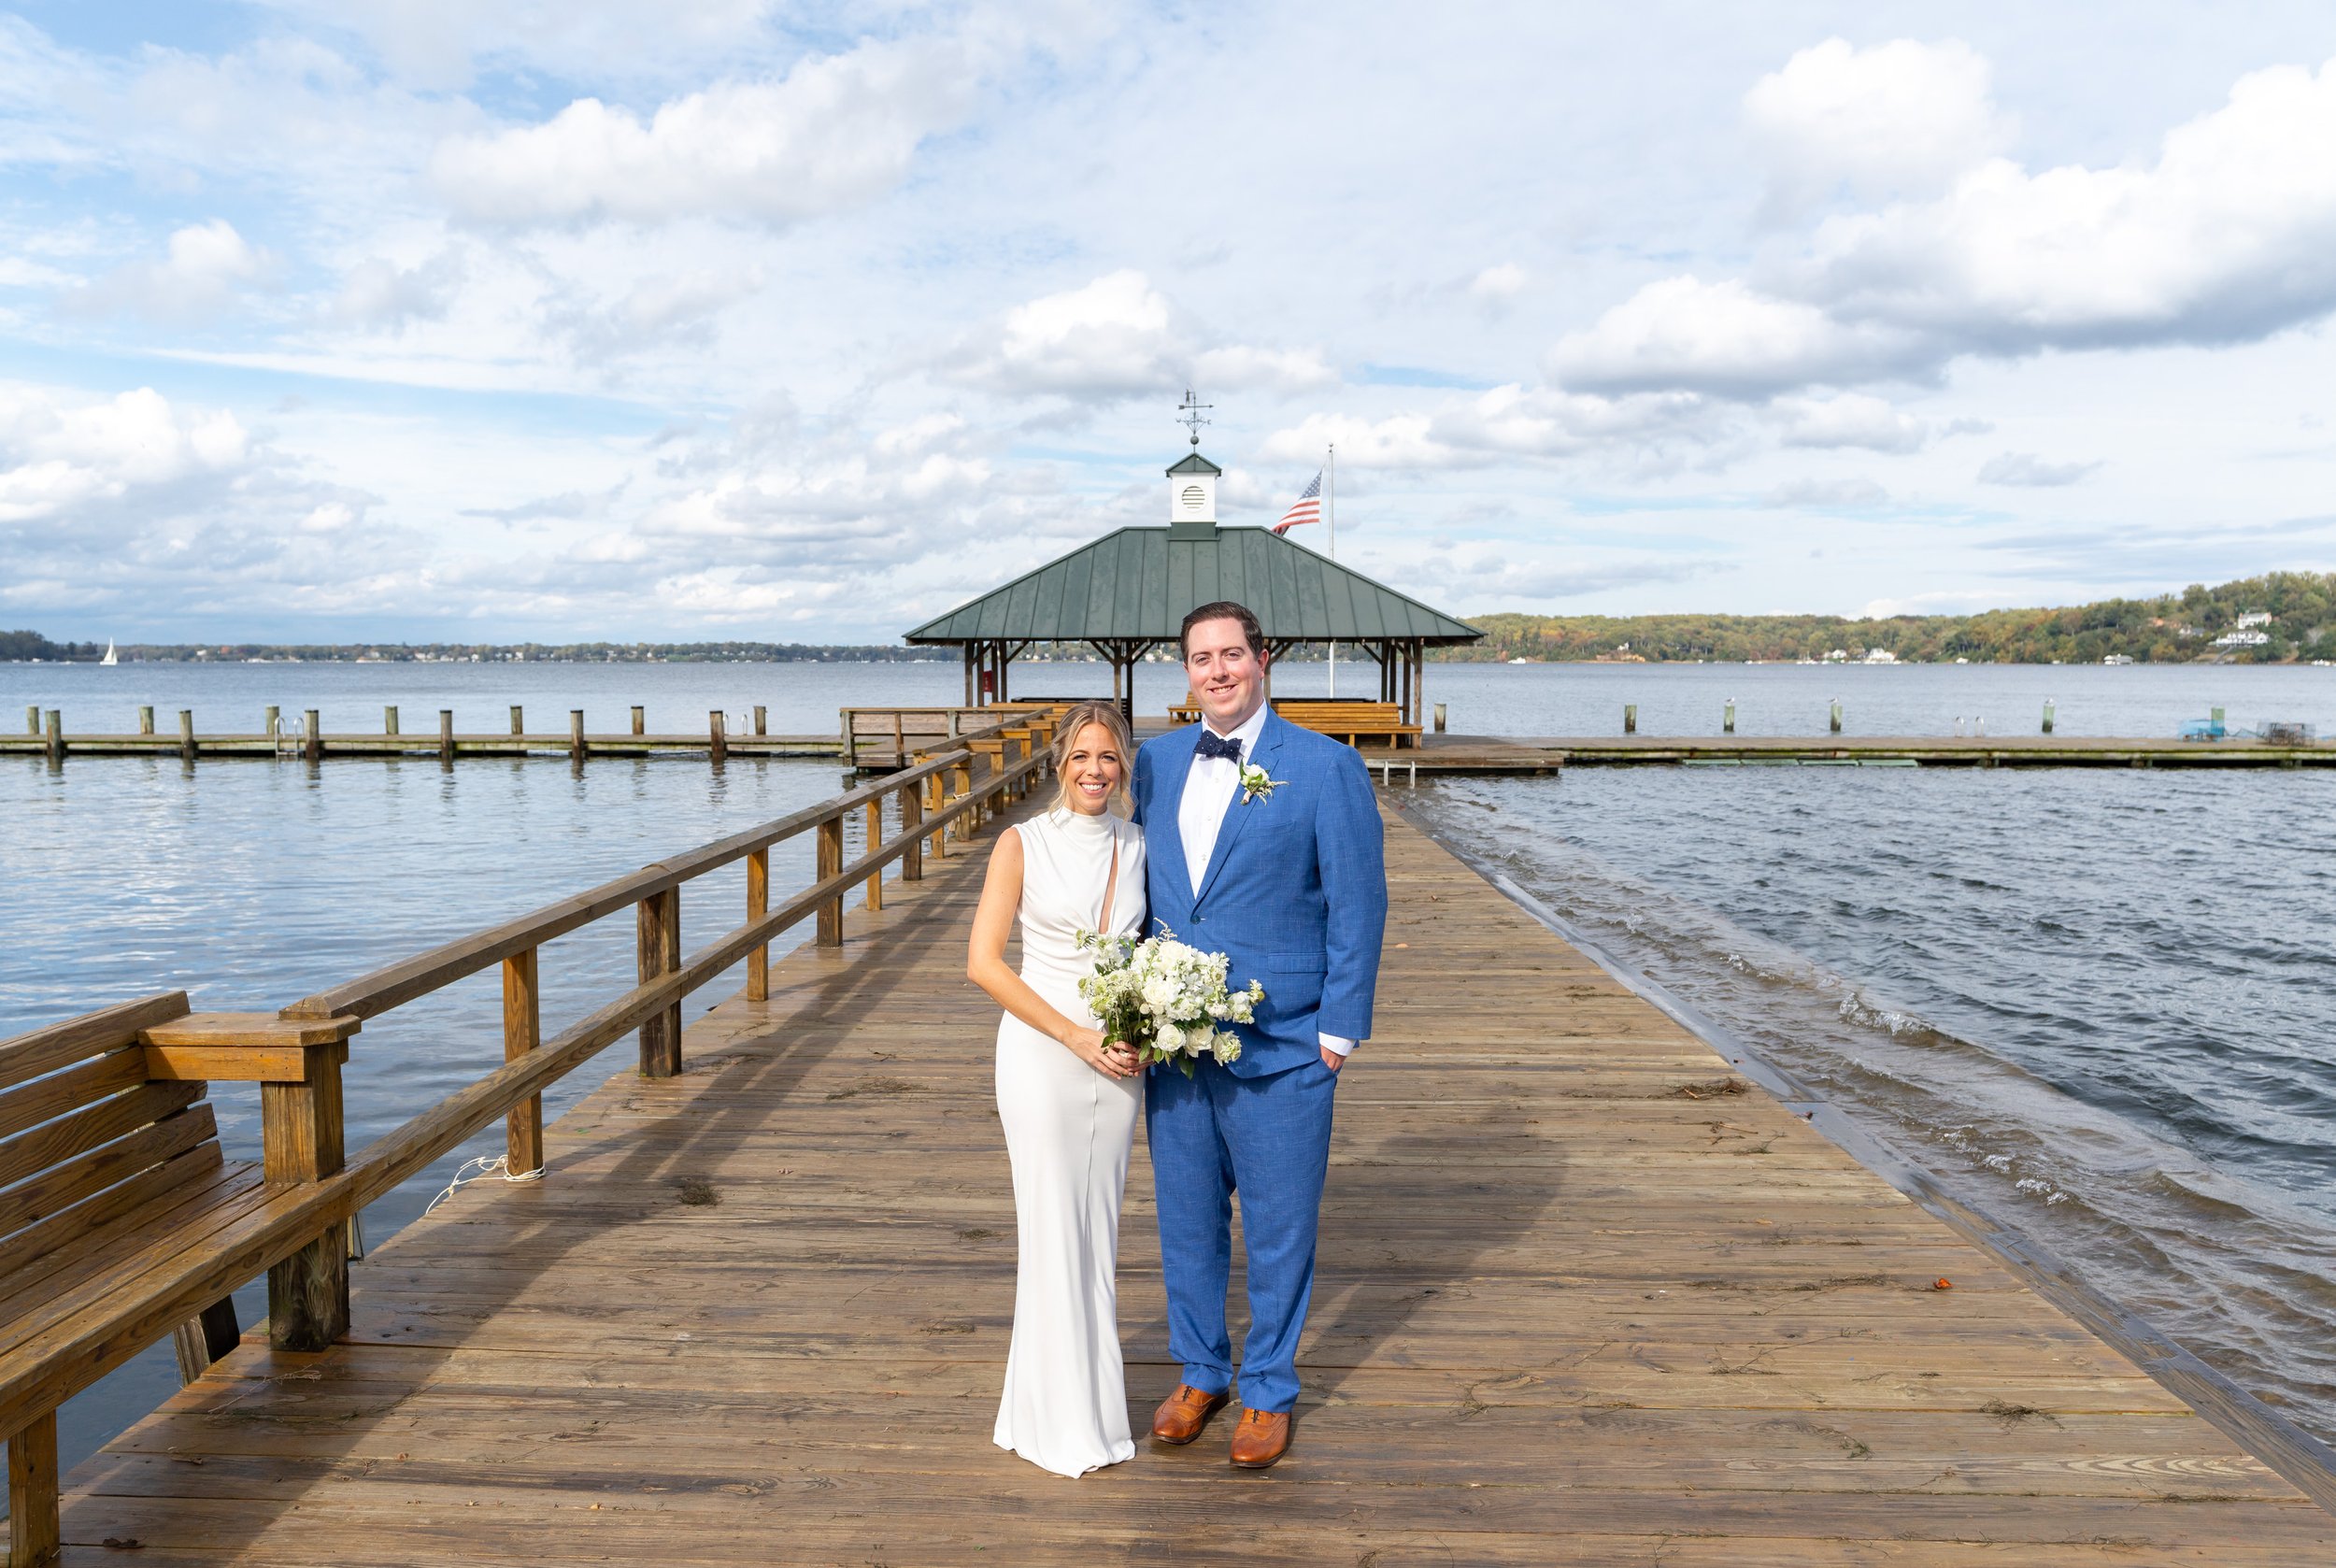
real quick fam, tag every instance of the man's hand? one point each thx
(1332, 1060)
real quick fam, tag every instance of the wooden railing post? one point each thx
(146, 720)
(518, 720)
(762, 719)
(758, 905)
(912, 819)
(899, 742)
(32, 719)
(186, 734)
(34, 1537)
(831, 861)
(312, 744)
(522, 1032)
(718, 741)
(299, 1135)
(875, 837)
(56, 735)
(640, 719)
(962, 785)
(846, 740)
(446, 734)
(272, 722)
(389, 718)
(576, 733)
(660, 950)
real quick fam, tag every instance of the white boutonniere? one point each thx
(1257, 784)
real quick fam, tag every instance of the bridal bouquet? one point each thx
(1165, 998)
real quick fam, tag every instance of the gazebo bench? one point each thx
(1350, 722)
(112, 1177)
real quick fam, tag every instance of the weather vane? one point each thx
(1189, 414)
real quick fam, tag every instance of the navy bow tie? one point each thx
(1227, 747)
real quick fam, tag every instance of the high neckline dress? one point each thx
(1068, 1130)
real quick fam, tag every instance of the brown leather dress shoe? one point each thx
(1262, 1437)
(1183, 1413)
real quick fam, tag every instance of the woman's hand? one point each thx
(1112, 1058)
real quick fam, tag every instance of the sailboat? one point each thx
(110, 657)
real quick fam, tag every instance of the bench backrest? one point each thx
(86, 1137)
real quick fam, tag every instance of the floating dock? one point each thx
(1587, 1294)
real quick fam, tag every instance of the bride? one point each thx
(1067, 1096)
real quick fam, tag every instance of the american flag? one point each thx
(1306, 508)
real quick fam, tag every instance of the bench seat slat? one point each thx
(95, 1281)
(100, 1221)
(61, 1140)
(26, 1057)
(41, 1199)
(85, 1083)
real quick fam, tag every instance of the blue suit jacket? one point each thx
(1294, 894)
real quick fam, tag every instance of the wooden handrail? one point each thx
(102, 1326)
(401, 982)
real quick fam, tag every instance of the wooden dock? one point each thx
(1587, 1295)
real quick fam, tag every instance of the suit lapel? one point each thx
(1166, 846)
(1237, 812)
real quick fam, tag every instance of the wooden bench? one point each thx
(1350, 722)
(110, 1174)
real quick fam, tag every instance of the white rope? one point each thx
(489, 1166)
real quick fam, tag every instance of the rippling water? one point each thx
(2096, 998)
(2096, 1003)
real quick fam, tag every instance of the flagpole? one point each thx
(1329, 516)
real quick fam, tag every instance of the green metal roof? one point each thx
(1139, 582)
(1195, 463)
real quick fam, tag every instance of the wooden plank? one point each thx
(45, 1099)
(30, 1207)
(263, 1030)
(27, 1055)
(55, 1142)
(238, 1063)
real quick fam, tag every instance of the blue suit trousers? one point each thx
(1269, 1139)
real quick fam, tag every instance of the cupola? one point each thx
(1192, 498)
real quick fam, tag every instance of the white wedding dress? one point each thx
(1068, 1128)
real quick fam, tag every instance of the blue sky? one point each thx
(504, 318)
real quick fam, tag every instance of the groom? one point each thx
(1288, 880)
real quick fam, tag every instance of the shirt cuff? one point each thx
(1337, 1045)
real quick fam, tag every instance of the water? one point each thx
(1482, 699)
(2101, 981)
(2094, 1002)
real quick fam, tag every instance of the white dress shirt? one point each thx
(1208, 792)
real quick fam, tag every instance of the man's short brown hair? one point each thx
(1224, 609)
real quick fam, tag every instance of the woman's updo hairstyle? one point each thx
(1074, 724)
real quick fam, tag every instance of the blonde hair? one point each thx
(1066, 735)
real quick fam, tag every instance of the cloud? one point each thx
(202, 269)
(2229, 236)
(2026, 468)
(381, 293)
(1724, 338)
(1119, 337)
(1826, 494)
(1497, 287)
(658, 311)
(1849, 419)
(1901, 118)
(834, 132)
(437, 43)
(61, 456)
(1506, 423)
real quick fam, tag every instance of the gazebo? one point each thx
(1127, 594)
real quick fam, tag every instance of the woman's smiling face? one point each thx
(1094, 770)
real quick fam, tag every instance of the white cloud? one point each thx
(1504, 423)
(1725, 338)
(1825, 494)
(660, 311)
(381, 293)
(1119, 336)
(2026, 468)
(1281, 370)
(2231, 234)
(437, 43)
(205, 265)
(59, 456)
(1849, 419)
(834, 132)
(1899, 119)
(1497, 286)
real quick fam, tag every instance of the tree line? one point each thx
(2171, 628)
